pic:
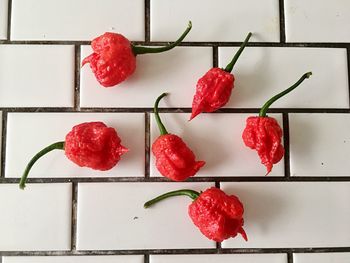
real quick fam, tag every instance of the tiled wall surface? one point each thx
(299, 213)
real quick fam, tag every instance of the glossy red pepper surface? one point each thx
(174, 159)
(112, 60)
(94, 145)
(217, 215)
(213, 91)
(264, 135)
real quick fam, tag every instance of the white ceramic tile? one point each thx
(237, 258)
(175, 71)
(3, 18)
(262, 72)
(293, 214)
(76, 20)
(315, 21)
(36, 76)
(220, 20)
(319, 144)
(43, 129)
(76, 259)
(0, 137)
(322, 258)
(39, 219)
(111, 216)
(216, 139)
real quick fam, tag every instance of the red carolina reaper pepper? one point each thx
(173, 158)
(90, 144)
(217, 215)
(264, 134)
(214, 89)
(114, 57)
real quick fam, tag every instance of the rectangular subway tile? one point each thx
(111, 217)
(216, 139)
(36, 76)
(322, 258)
(319, 144)
(293, 214)
(313, 21)
(76, 20)
(220, 20)
(38, 218)
(175, 71)
(3, 18)
(262, 72)
(43, 129)
(74, 259)
(237, 258)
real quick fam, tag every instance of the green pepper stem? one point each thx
(161, 127)
(229, 66)
(266, 106)
(190, 193)
(54, 146)
(138, 50)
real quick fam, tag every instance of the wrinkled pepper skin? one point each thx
(213, 91)
(174, 159)
(113, 60)
(264, 135)
(94, 145)
(217, 215)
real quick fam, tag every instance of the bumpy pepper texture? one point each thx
(90, 144)
(217, 215)
(214, 89)
(264, 134)
(114, 58)
(174, 159)
(94, 145)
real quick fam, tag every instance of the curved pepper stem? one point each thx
(229, 66)
(54, 146)
(138, 50)
(266, 106)
(190, 193)
(161, 127)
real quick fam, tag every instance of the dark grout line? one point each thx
(77, 52)
(282, 22)
(147, 21)
(3, 144)
(286, 145)
(147, 145)
(215, 56)
(9, 19)
(290, 257)
(170, 110)
(74, 217)
(147, 252)
(194, 44)
(348, 64)
(262, 179)
(146, 258)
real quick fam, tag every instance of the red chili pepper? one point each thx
(114, 57)
(217, 215)
(90, 144)
(214, 89)
(264, 133)
(173, 158)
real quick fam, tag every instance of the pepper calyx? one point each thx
(187, 192)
